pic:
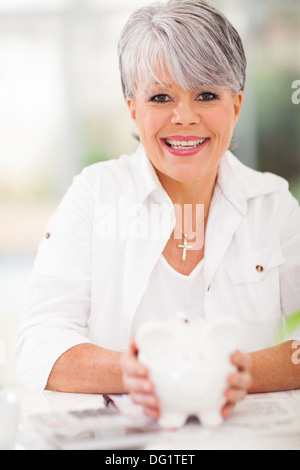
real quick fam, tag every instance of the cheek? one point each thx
(221, 123)
(149, 124)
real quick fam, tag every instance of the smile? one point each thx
(184, 146)
(189, 144)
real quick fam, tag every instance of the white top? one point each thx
(94, 267)
(170, 293)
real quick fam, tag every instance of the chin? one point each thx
(189, 176)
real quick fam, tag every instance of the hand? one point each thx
(141, 389)
(239, 382)
(137, 384)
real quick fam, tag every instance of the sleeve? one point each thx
(57, 307)
(290, 271)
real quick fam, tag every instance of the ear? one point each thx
(237, 105)
(151, 337)
(132, 108)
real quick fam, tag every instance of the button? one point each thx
(259, 269)
(48, 235)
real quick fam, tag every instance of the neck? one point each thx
(191, 204)
(190, 193)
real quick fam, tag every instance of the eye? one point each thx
(207, 96)
(160, 98)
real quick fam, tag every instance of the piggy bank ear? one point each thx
(152, 338)
(226, 332)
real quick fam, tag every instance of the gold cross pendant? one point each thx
(185, 246)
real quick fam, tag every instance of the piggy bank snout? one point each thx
(191, 381)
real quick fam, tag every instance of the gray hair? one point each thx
(190, 39)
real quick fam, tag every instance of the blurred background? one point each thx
(61, 109)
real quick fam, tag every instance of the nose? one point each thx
(185, 113)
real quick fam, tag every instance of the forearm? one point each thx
(87, 368)
(275, 369)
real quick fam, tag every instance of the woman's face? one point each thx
(185, 134)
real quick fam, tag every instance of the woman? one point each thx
(179, 225)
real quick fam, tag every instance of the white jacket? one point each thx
(86, 284)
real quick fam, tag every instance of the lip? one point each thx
(184, 152)
(184, 138)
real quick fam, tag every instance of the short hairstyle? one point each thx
(190, 39)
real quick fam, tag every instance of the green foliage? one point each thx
(94, 154)
(295, 189)
(291, 324)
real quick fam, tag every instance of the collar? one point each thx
(238, 183)
(146, 179)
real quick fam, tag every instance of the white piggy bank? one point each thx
(189, 363)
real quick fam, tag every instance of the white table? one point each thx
(265, 421)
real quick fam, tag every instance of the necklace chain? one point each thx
(187, 235)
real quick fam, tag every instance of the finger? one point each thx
(241, 361)
(153, 413)
(241, 380)
(131, 366)
(133, 346)
(147, 400)
(235, 395)
(137, 385)
(227, 410)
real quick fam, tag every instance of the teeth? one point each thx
(184, 143)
